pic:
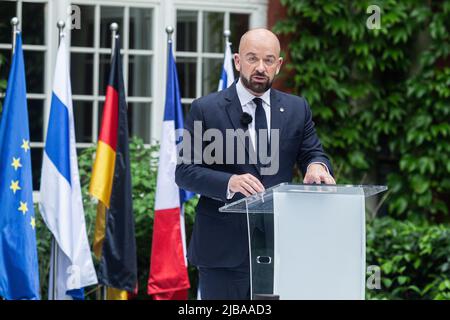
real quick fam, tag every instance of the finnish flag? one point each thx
(61, 204)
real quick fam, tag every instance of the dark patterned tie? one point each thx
(260, 124)
(264, 222)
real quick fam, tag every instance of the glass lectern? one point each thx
(307, 241)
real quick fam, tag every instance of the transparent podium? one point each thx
(307, 241)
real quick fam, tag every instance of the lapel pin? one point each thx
(281, 109)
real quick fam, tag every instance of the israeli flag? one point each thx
(61, 205)
(227, 77)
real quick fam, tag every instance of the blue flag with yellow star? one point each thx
(19, 275)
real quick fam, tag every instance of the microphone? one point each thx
(246, 119)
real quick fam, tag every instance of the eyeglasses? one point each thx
(270, 61)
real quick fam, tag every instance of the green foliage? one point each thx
(380, 98)
(414, 259)
(144, 165)
(44, 243)
(381, 102)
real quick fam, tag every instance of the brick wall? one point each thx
(275, 12)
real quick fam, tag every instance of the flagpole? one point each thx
(169, 31)
(227, 34)
(60, 25)
(114, 27)
(55, 268)
(15, 29)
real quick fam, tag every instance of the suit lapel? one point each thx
(275, 113)
(233, 107)
(276, 120)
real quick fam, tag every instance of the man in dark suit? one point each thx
(219, 244)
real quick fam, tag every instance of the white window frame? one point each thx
(199, 54)
(168, 15)
(45, 48)
(257, 11)
(164, 14)
(96, 98)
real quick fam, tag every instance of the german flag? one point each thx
(114, 240)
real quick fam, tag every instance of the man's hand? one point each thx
(317, 173)
(245, 184)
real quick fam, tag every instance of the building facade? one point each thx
(198, 46)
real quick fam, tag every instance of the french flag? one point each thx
(61, 205)
(168, 279)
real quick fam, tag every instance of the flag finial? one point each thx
(114, 27)
(15, 21)
(60, 25)
(169, 31)
(226, 35)
(15, 29)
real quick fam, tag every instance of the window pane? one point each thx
(186, 30)
(108, 16)
(36, 119)
(186, 107)
(213, 32)
(33, 23)
(34, 71)
(139, 119)
(103, 76)
(239, 24)
(187, 75)
(81, 70)
(84, 37)
(5, 59)
(100, 117)
(7, 11)
(4, 69)
(139, 76)
(212, 69)
(36, 166)
(82, 111)
(141, 28)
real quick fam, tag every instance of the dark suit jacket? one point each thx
(220, 239)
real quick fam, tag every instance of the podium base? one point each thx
(261, 296)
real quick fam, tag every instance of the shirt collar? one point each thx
(245, 96)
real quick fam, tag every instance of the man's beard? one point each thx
(257, 87)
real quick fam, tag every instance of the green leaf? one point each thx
(417, 264)
(419, 184)
(387, 267)
(444, 285)
(387, 282)
(415, 289)
(402, 280)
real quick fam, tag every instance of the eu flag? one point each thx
(19, 277)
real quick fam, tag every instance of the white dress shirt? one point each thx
(246, 99)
